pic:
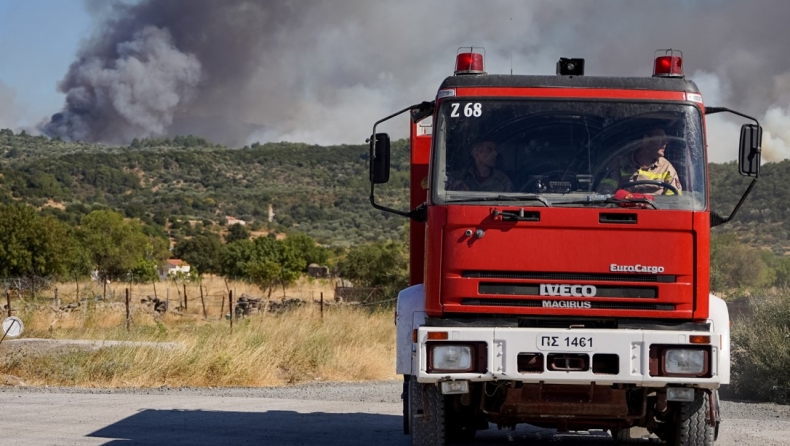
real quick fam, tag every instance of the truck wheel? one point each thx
(427, 422)
(621, 436)
(693, 427)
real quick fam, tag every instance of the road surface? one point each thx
(320, 414)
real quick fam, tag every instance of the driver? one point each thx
(482, 175)
(647, 162)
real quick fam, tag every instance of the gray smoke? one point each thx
(9, 110)
(134, 94)
(238, 71)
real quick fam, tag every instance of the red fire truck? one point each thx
(560, 230)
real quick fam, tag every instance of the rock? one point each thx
(10, 380)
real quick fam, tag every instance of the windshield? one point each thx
(569, 153)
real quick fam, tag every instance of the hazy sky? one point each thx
(318, 71)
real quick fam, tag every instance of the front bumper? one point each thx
(504, 345)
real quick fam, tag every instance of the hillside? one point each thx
(322, 191)
(764, 218)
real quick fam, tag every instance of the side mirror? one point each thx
(380, 158)
(750, 148)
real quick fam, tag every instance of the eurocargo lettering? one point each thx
(539, 271)
(636, 269)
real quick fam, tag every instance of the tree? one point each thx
(202, 252)
(782, 271)
(145, 271)
(291, 263)
(237, 232)
(734, 264)
(265, 261)
(264, 273)
(114, 245)
(31, 245)
(272, 251)
(306, 248)
(234, 257)
(376, 265)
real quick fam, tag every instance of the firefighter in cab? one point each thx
(645, 164)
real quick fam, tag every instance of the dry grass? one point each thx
(347, 344)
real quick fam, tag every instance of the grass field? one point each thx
(345, 343)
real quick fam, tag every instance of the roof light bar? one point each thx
(469, 62)
(668, 64)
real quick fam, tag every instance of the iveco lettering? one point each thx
(559, 248)
(567, 290)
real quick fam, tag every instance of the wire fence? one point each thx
(211, 298)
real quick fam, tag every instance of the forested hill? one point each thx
(322, 191)
(764, 219)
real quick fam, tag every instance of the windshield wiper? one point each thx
(530, 197)
(606, 199)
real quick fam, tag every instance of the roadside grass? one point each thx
(761, 350)
(347, 344)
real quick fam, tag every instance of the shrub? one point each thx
(761, 350)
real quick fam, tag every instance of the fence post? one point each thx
(57, 299)
(222, 307)
(322, 305)
(230, 308)
(178, 292)
(185, 298)
(8, 301)
(127, 309)
(167, 300)
(202, 302)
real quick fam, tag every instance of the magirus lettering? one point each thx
(566, 304)
(636, 268)
(549, 289)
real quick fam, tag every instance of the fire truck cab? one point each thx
(559, 247)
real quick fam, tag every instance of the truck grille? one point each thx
(530, 289)
(525, 275)
(471, 301)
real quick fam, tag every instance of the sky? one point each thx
(322, 72)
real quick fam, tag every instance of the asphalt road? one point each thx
(323, 414)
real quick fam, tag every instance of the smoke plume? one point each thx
(136, 94)
(9, 110)
(237, 71)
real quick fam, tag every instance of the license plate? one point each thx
(567, 342)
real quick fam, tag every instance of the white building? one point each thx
(234, 221)
(172, 267)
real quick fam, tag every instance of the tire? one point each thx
(621, 436)
(692, 427)
(427, 417)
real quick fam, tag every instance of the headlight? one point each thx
(451, 357)
(684, 361)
